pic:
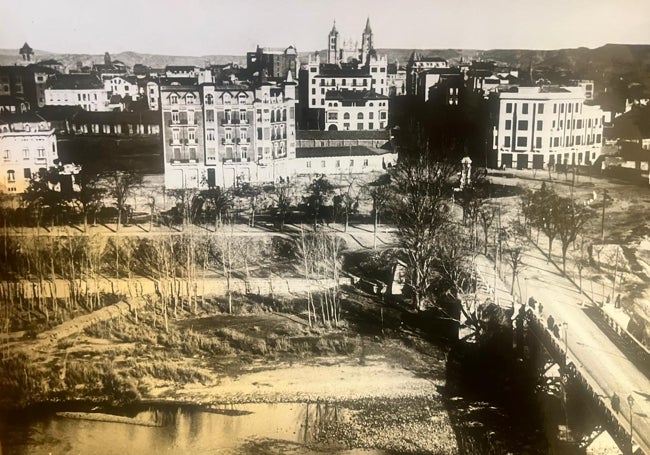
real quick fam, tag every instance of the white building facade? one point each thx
(227, 135)
(539, 127)
(82, 90)
(27, 144)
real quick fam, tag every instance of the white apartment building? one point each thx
(323, 78)
(27, 144)
(543, 126)
(124, 86)
(226, 135)
(355, 110)
(83, 90)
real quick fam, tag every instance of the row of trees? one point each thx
(52, 200)
(555, 216)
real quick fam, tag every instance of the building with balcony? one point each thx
(223, 135)
(545, 126)
(355, 110)
(83, 90)
(27, 144)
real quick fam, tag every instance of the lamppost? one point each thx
(630, 401)
(565, 325)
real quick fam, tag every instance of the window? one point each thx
(228, 134)
(382, 115)
(209, 99)
(579, 125)
(524, 108)
(508, 125)
(360, 116)
(346, 116)
(27, 173)
(25, 154)
(343, 82)
(322, 163)
(243, 134)
(540, 125)
(191, 135)
(338, 163)
(522, 124)
(556, 142)
(597, 138)
(371, 115)
(11, 176)
(540, 108)
(359, 126)
(313, 91)
(308, 164)
(351, 163)
(562, 108)
(209, 116)
(578, 140)
(175, 117)
(538, 142)
(175, 135)
(6, 155)
(522, 141)
(506, 141)
(332, 116)
(346, 126)
(365, 162)
(193, 153)
(371, 126)
(173, 99)
(190, 117)
(210, 134)
(570, 107)
(508, 108)
(41, 153)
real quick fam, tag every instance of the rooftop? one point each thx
(75, 82)
(341, 135)
(336, 71)
(25, 117)
(355, 150)
(116, 117)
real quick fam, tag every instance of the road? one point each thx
(600, 361)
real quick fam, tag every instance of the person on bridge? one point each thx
(616, 403)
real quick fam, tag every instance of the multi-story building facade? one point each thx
(83, 90)
(124, 86)
(27, 144)
(545, 126)
(418, 65)
(216, 135)
(355, 110)
(272, 62)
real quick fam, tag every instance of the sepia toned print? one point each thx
(324, 227)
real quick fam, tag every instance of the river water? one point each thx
(237, 429)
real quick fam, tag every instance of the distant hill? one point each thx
(602, 64)
(10, 57)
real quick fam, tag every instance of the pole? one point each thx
(630, 401)
(602, 222)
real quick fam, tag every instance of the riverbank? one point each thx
(386, 384)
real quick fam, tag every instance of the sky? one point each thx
(204, 27)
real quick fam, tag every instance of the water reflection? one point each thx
(233, 429)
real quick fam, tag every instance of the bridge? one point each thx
(618, 386)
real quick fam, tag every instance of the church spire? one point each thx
(368, 29)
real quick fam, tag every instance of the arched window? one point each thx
(278, 115)
(272, 116)
(242, 98)
(11, 176)
(284, 115)
(189, 99)
(226, 98)
(360, 116)
(209, 99)
(346, 116)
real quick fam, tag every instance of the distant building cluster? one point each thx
(278, 117)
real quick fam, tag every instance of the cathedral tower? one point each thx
(366, 43)
(333, 45)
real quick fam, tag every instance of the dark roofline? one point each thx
(355, 150)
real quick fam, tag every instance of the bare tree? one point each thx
(120, 186)
(347, 199)
(419, 207)
(570, 220)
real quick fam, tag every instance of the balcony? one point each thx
(226, 141)
(184, 161)
(236, 160)
(229, 122)
(174, 142)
